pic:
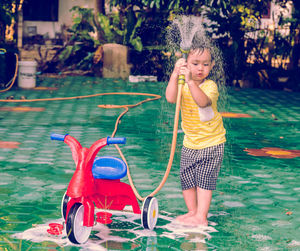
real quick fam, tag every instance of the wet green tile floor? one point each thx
(256, 205)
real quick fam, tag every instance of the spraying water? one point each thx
(187, 32)
(188, 26)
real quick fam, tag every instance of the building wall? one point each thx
(269, 24)
(275, 12)
(48, 29)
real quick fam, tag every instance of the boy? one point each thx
(204, 134)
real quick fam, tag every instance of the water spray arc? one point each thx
(188, 26)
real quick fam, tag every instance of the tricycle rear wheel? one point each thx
(149, 213)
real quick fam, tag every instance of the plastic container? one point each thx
(142, 78)
(27, 74)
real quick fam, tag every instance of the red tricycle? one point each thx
(96, 182)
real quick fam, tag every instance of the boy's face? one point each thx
(200, 64)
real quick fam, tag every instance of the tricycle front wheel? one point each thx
(76, 232)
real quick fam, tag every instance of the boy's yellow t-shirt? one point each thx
(202, 127)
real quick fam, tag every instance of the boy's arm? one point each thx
(201, 99)
(172, 88)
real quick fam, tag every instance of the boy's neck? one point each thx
(199, 82)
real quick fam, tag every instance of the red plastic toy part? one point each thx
(55, 229)
(104, 217)
(89, 188)
(82, 182)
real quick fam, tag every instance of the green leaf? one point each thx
(66, 53)
(76, 20)
(137, 44)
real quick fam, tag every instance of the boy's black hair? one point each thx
(200, 50)
(202, 41)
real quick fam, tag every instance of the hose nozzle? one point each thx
(181, 78)
(185, 52)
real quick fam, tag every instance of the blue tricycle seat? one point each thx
(108, 167)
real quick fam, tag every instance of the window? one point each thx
(267, 11)
(40, 10)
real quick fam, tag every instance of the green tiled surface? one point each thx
(248, 210)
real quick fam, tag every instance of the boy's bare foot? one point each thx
(181, 218)
(195, 221)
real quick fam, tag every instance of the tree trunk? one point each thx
(2, 32)
(295, 57)
(295, 52)
(99, 9)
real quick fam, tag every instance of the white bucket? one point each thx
(27, 74)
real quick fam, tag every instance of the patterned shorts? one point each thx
(201, 167)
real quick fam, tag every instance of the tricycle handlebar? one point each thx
(116, 140)
(61, 137)
(56, 136)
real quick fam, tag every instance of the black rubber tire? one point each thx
(77, 233)
(147, 220)
(64, 204)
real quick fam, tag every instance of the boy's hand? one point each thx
(179, 64)
(184, 70)
(181, 68)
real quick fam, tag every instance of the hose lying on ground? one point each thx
(126, 109)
